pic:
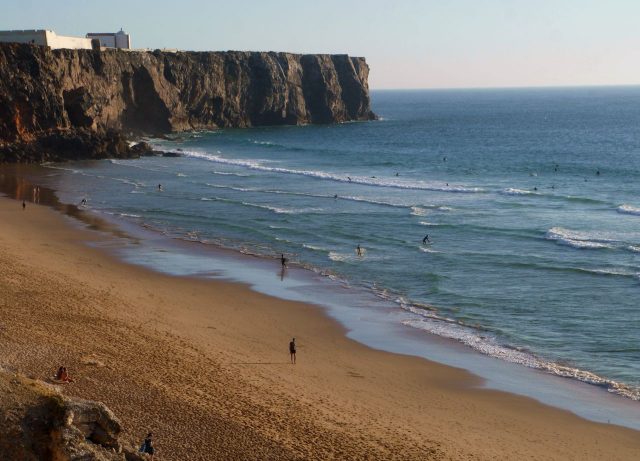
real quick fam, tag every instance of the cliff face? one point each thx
(44, 90)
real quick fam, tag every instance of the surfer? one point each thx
(359, 250)
(426, 239)
(349, 178)
(335, 196)
(24, 205)
(397, 174)
(598, 173)
(283, 261)
(160, 187)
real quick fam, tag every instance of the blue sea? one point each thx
(530, 199)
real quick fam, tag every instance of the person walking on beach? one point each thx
(283, 261)
(147, 446)
(292, 350)
(24, 205)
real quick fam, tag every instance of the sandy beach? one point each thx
(205, 366)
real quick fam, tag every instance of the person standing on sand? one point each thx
(283, 261)
(292, 350)
(24, 205)
(147, 446)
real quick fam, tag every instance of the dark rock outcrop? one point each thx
(39, 423)
(45, 91)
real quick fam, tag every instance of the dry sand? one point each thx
(205, 366)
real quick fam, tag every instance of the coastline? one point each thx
(179, 356)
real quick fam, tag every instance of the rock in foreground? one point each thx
(39, 423)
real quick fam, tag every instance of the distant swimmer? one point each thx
(335, 196)
(447, 184)
(397, 174)
(349, 178)
(426, 239)
(160, 187)
(444, 159)
(598, 173)
(535, 188)
(359, 250)
(283, 261)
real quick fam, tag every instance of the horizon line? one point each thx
(515, 87)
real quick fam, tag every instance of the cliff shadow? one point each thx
(145, 111)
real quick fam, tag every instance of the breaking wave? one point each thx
(368, 181)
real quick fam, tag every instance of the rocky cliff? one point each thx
(44, 91)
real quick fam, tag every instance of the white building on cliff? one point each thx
(45, 38)
(120, 40)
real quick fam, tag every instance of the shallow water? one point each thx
(530, 198)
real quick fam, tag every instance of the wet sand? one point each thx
(205, 366)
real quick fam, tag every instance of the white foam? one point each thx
(513, 191)
(335, 256)
(313, 247)
(577, 239)
(428, 250)
(369, 181)
(417, 211)
(487, 344)
(629, 209)
(226, 173)
(281, 210)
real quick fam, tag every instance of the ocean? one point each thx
(530, 199)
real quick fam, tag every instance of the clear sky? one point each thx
(407, 43)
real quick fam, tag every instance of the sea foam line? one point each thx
(487, 344)
(376, 182)
(576, 239)
(628, 209)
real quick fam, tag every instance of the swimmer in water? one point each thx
(359, 250)
(159, 186)
(335, 196)
(426, 239)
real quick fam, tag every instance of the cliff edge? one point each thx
(44, 91)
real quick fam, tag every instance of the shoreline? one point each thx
(147, 329)
(590, 397)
